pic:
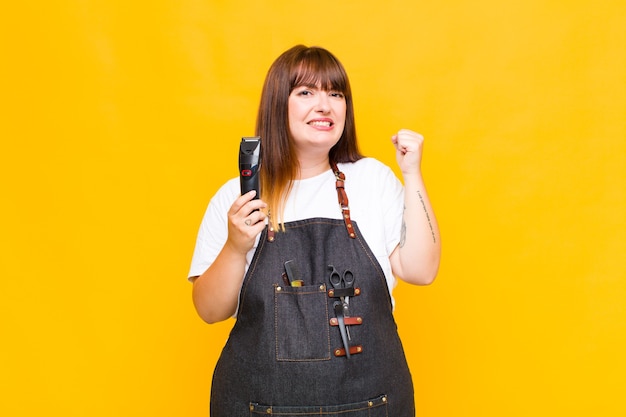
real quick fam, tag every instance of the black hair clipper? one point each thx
(249, 161)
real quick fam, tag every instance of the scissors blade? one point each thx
(343, 329)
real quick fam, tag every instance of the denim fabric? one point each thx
(375, 407)
(279, 358)
(301, 323)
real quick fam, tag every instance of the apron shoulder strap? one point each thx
(343, 204)
(343, 198)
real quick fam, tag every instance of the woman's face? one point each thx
(316, 119)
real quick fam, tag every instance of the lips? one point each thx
(321, 123)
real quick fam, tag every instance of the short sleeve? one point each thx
(213, 230)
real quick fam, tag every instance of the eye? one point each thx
(303, 91)
(337, 94)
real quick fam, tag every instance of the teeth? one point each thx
(320, 123)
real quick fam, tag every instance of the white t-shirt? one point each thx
(376, 199)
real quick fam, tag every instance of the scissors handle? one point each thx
(335, 278)
(348, 278)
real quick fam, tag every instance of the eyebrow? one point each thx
(317, 86)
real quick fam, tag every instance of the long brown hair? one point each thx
(298, 66)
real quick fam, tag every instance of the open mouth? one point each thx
(321, 123)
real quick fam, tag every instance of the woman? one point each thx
(318, 337)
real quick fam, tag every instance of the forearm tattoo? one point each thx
(427, 216)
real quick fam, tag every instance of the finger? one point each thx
(403, 144)
(246, 204)
(409, 141)
(253, 207)
(397, 142)
(255, 217)
(241, 201)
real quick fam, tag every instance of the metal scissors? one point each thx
(342, 283)
(344, 287)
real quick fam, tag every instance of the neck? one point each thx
(312, 167)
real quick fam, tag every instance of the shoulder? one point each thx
(220, 202)
(227, 193)
(364, 163)
(368, 170)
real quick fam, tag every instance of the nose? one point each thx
(323, 104)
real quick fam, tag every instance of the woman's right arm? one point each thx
(216, 291)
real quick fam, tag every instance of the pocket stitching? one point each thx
(300, 291)
(341, 409)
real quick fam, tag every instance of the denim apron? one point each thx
(286, 354)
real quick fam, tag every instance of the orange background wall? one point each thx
(120, 119)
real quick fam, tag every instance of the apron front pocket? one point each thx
(375, 407)
(301, 323)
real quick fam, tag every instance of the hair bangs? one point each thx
(317, 68)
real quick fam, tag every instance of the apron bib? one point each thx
(286, 354)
